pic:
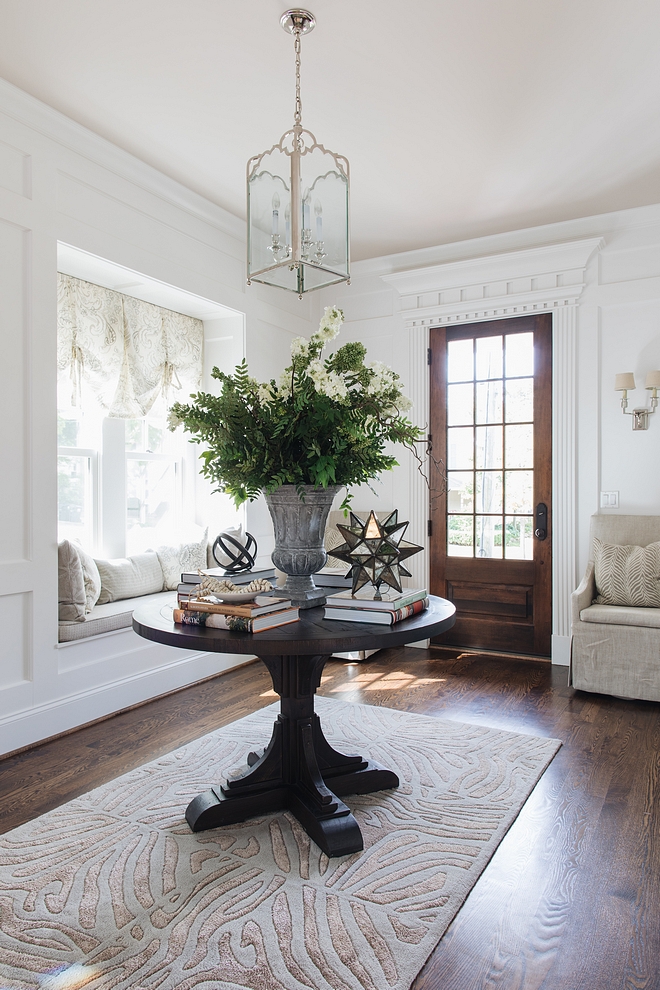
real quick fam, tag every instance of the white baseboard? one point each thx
(561, 650)
(54, 717)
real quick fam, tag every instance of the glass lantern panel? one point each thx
(324, 220)
(269, 210)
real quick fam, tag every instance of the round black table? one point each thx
(299, 769)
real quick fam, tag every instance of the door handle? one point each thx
(541, 521)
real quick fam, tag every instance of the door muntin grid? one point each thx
(490, 446)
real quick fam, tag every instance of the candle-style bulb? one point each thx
(307, 202)
(275, 228)
(318, 210)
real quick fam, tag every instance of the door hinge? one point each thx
(429, 528)
(429, 355)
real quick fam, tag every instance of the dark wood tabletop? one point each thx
(311, 635)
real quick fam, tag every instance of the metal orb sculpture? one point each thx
(375, 549)
(235, 551)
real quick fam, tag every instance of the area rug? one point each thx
(113, 891)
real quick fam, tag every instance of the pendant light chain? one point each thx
(297, 117)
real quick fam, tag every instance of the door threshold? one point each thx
(473, 651)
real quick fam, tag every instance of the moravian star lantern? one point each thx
(297, 202)
(375, 549)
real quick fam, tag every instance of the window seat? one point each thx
(108, 618)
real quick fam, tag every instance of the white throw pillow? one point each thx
(185, 557)
(129, 577)
(71, 584)
(627, 575)
(91, 577)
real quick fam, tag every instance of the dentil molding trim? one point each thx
(487, 288)
(541, 279)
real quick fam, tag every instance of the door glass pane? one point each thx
(150, 503)
(519, 488)
(518, 538)
(460, 448)
(459, 536)
(489, 491)
(460, 361)
(74, 499)
(460, 493)
(520, 400)
(519, 354)
(489, 447)
(519, 446)
(488, 536)
(460, 404)
(489, 402)
(489, 357)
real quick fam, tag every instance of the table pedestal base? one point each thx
(299, 770)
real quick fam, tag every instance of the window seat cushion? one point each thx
(621, 615)
(108, 617)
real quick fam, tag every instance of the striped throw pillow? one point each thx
(627, 575)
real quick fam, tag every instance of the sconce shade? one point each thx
(624, 381)
(653, 379)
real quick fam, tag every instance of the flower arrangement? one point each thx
(326, 422)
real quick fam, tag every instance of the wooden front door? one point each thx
(491, 534)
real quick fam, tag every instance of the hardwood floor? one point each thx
(571, 899)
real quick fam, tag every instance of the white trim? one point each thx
(64, 131)
(22, 728)
(561, 650)
(549, 278)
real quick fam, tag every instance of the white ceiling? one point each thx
(459, 117)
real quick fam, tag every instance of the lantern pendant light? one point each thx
(297, 202)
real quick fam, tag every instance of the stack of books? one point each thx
(245, 577)
(265, 612)
(363, 606)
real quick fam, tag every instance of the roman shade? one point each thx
(126, 352)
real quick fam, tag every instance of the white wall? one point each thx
(616, 320)
(60, 182)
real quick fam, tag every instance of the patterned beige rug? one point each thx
(113, 890)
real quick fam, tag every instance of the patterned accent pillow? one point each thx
(129, 577)
(71, 584)
(627, 575)
(185, 557)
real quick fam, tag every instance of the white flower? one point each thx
(173, 420)
(329, 326)
(404, 403)
(383, 378)
(315, 369)
(299, 347)
(265, 394)
(327, 382)
(284, 384)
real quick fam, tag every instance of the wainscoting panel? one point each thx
(14, 394)
(15, 170)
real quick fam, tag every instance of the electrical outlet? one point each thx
(609, 500)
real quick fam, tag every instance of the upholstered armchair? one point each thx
(615, 649)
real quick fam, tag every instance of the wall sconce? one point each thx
(624, 383)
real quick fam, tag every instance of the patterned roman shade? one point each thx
(627, 575)
(126, 352)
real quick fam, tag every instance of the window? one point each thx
(135, 467)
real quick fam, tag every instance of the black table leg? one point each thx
(296, 770)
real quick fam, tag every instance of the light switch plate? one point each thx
(609, 500)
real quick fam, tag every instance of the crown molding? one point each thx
(25, 109)
(486, 288)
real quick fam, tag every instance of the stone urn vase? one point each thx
(299, 525)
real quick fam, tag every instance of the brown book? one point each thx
(248, 610)
(236, 623)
